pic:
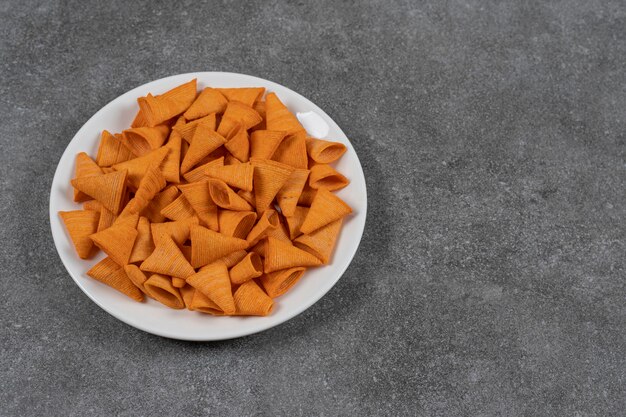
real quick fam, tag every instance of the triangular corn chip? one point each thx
(279, 282)
(197, 194)
(167, 259)
(238, 143)
(250, 300)
(80, 224)
(136, 275)
(278, 116)
(323, 151)
(139, 120)
(292, 151)
(204, 304)
(282, 255)
(246, 95)
(108, 189)
(225, 197)
(178, 282)
(249, 267)
(325, 176)
(208, 246)
(214, 282)
(137, 167)
(187, 130)
(263, 143)
(113, 275)
(326, 208)
(267, 221)
(295, 222)
(229, 159)
(161, 289)
(129, 219)
(269, 178)
(158, 203)
(143, 244)
(204, 142)
(178, 209)
(321, 242)
(199, 173)
(142, 140)
(209, 101)
(236, 223)
(307, 196)
(111, 150)
(85, 167)
(178, 230)
(238, 176)
(117, 242)
(158, 109)
(289, 194)
(237, 112)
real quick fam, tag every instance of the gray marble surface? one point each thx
(491, 276)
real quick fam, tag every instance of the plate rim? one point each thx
(203, 338)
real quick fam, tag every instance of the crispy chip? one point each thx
(214, 282)
(203, 304)
(170, 166)
(151, 184)
(85, 167)
(307, 196)
(116, 241)
(208, 246)
(209, 101)
(323, 151)
(292, 151)
(326, 208)
(325, 176)
(263, 143)
(80, 224)
(236, 223)
(111, 150)
(248, 196)
(187, 293)
(250, 300)
(204, 142)
(249, 267)
(158, 109)
(279, 282)
(278, 117)
(108, 189)
(161, 289)
(167, 259)
(225, 197)
(269, 177)
(233, 259)
(110, 273)
(289, 194)
(282, 255)
(197, 194)
(142, 140)
(199, 173)
(136, 276)
(246, 95)
(321, 242)
(178, 209)
(237, 176)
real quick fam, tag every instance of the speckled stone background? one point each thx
(491, 276)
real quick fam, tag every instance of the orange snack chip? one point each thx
(291, 191)
(111, 150)
(225, 197)
(323, 151)
(209, 101)
(238, 113)
(203, 143)
(143, 140)
(238, 143)
(236, 223)
(80, 224)
(85, 167)
(208, 246)
(161, 289)
(108, 189)
(214, 282)
(156, 110)
(325, 176)
(279, 282)
(250, 300)
(110, 273)
(167, 259)
(237, 176)
(249, 267)
(326, 208)
(263, 143)
(246, 95)
(268, 221)
(281, 255)
(197, 194)
(269, 178)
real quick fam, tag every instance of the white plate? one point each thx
(155, 318)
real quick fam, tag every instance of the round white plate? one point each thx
(155, 318)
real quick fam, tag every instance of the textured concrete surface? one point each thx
(491, 276)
